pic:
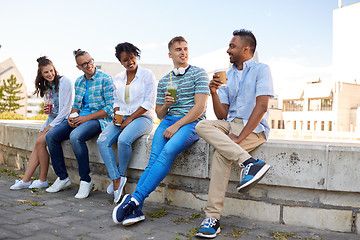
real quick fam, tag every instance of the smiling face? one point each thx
(48, 72)
(239, 50)
(86, 64)
(129, 61)
(179, 53)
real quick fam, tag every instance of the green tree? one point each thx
(41, 108)
(11, 95)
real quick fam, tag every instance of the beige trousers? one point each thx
(226, 152)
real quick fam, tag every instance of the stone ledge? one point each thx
(312, 181)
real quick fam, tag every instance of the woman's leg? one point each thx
(133, 131)
(104, 142)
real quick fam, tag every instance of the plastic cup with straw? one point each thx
(172, 88)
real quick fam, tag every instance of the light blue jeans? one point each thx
(163, 152)
(125, 138)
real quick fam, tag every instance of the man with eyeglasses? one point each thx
(243, 124)
(91, 112)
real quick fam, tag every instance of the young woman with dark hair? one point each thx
(57, 93)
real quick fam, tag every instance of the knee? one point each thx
(201, 126)
(74, 138)
(102, 139)
(123, 142)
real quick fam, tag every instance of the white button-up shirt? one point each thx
(142, 92)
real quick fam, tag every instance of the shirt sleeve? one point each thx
(223, 95)
(150, 91)
(264, 83)
(108, 91)
(202, 82)
(77, 98)
(160, 96)
(65, 100)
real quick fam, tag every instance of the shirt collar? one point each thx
(94, 76)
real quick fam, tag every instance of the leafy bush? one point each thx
(11, 116)
(39, 117)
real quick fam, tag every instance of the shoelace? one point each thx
(244, 170)
(128, 209)
(208, 222)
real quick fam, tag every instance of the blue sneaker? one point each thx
(209, 228)
(252, 173)
(124, 209)
(135, 217)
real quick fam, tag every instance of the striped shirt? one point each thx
(194, 81)
(100, 95)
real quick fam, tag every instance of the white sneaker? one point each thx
(84, 190)
(59, 185)
(110, 188)
(20, 184)
(39, 184)
(118, 192)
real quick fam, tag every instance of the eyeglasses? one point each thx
(85, 64)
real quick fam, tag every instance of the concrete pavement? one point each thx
(27, 214)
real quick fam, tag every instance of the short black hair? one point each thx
(248, 36)
(128, 48)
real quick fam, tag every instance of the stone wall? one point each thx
(310, 184)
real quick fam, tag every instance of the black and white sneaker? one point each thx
(251, 174)
(209, 228)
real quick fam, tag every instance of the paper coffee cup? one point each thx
(222, 75)
(74, 115)
(118, 118)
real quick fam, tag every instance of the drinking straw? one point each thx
(170, 79)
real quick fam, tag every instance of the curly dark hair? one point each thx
(128, 48)
(42, 85)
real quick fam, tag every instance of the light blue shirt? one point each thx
(86, 107)
(240, 94)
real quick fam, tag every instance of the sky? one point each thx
(294, 36)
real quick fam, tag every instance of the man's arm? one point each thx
(220, 109)
(257, 114)
(194, 113)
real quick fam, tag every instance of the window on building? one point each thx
(315, 122)
(330, 125)
(308, 125)
(273, 124)
(294, 125)
(322, 125)
(279, 124)
(320, 104)
(293, 105)
(282, 124)
(98, 66)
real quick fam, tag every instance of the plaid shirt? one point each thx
(100, 97)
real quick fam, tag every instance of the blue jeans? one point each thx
(78, 137)
(163, 152)
(125, 138)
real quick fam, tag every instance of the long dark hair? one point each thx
(42, 85)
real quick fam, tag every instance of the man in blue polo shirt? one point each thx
(242, 111)
(92, 106)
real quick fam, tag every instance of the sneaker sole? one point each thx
(250, 184)
(209, 236)
(116, 208)
(133, 221)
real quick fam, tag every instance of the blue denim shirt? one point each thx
(240, 94)
(100, 95)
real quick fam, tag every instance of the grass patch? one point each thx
(237, 233)
(161, 213)
(186, 220)
(284, 235)
(31, 203)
